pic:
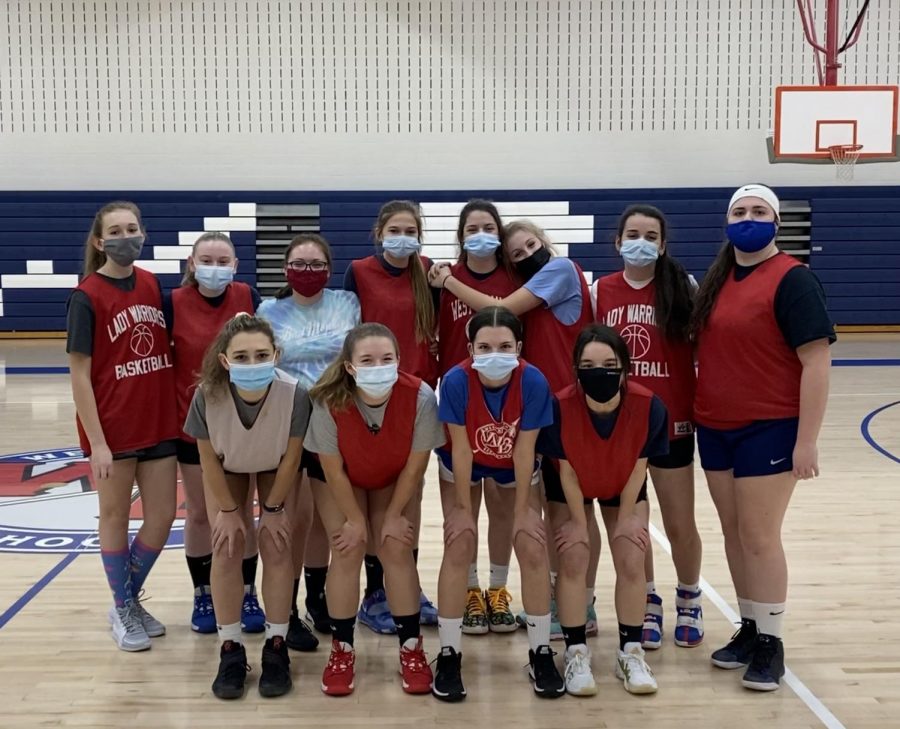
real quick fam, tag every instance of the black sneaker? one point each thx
(317, 614)
(739, 650)
(300, 636)
(548, 684)
(233, 668)
(448, 685)
(767, 665)
(276, 669)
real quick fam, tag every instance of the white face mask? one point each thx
(378, 380)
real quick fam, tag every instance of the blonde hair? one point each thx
(336, 387)
(213, 376)
(189, 279)
(425, 320)
(526, 226)
(94, 258)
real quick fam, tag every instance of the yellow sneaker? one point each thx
(500, 617)
(475, 618)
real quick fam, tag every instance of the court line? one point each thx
(813, 703)
(867, 436)
(36, 588)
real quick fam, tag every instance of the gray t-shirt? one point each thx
(428, 433)
(195, 423)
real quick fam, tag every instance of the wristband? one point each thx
(273, 509)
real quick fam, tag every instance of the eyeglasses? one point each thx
(317, 266)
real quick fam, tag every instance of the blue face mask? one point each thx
(401, 246)
(214, 278)
(639, 252)
(481, 245)
(377, 381)
(495, 365)
(750, 236)
(253, 376)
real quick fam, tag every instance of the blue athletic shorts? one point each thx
(763, 448)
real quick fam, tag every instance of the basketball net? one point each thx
(844, 157)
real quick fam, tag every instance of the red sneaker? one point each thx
(417, 676)
(337, 680)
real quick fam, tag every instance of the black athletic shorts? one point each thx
(681, 454)
(310, 462)
(164, 449)
(554, 491)
(187, 452)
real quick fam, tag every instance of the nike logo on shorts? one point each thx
(775, 463)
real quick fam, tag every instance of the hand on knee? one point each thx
(275, 555)
(393, 552)
(573, 562)
(530, 553)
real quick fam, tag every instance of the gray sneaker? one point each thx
(127, 629)
(153, 627)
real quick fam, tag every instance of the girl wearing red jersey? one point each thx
(605, 429)
(763, 333)
(373, 428)
(121, 364)
(195, 313)
(249, 419)
(649, 304)
(392, 286)
(494, 405)
(480, 236)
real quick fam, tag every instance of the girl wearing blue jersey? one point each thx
(310, 323)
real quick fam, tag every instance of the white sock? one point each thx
(590, 594)
(745, 607)
(276, 630)
(473, 576)
(499, 575)
(651, 587)
(538, 630)
(769, 617)
(553, 580)
(450, 633)
(230, 632)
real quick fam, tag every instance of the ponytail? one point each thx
(94, 258)
(709, 290)
(674, 299)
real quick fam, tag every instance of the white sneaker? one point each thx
(579, 679)
(154, 628)
(127, 630)
(634, 671)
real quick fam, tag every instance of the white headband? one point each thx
(760, 191)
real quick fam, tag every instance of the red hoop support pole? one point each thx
(831, 43)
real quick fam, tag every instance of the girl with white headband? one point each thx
(762, 334)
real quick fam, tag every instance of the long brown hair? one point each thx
(299, 240)
(484, 206)
(425, 320)
(189, 279)
(213, 376)
(93, 257)
(712, 283)
(336, 387)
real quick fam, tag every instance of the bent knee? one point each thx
(573, 563)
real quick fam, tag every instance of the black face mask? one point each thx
(527, 267)
(600, 383)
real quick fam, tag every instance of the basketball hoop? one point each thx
(844, 157)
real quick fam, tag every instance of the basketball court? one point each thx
(59, 666)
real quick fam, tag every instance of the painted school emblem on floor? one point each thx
(48, 504)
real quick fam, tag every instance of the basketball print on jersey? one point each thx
(138, 318)
(637, 317)
(497, 440)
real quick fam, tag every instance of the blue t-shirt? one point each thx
(310, 337)
(657, 443)
(558, 285)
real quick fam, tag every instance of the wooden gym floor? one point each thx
(58, 666)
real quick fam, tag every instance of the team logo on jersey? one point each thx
(141, 340)
(48, 504)
(638, 340)
(496, 439)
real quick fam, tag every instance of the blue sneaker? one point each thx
(427, 611)
(253, 619)
(651, 638)
(203, 619)
(375, 614)
(556, 631)
(591, 627)
(689, 621)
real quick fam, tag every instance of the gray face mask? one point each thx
(124, 251)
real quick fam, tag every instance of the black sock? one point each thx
(294, 610)
(407, 627)
(575, 635)
(248, 569)
(342, 629)
(629, 634)
(416, 555)
(374, 574)
(199, 568)
(315, 586)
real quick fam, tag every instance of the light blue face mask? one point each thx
(639, 252)
(214, 278)
(401, 246)
(251, 377)
(377, 381)
(495, 365)
(481, 245)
